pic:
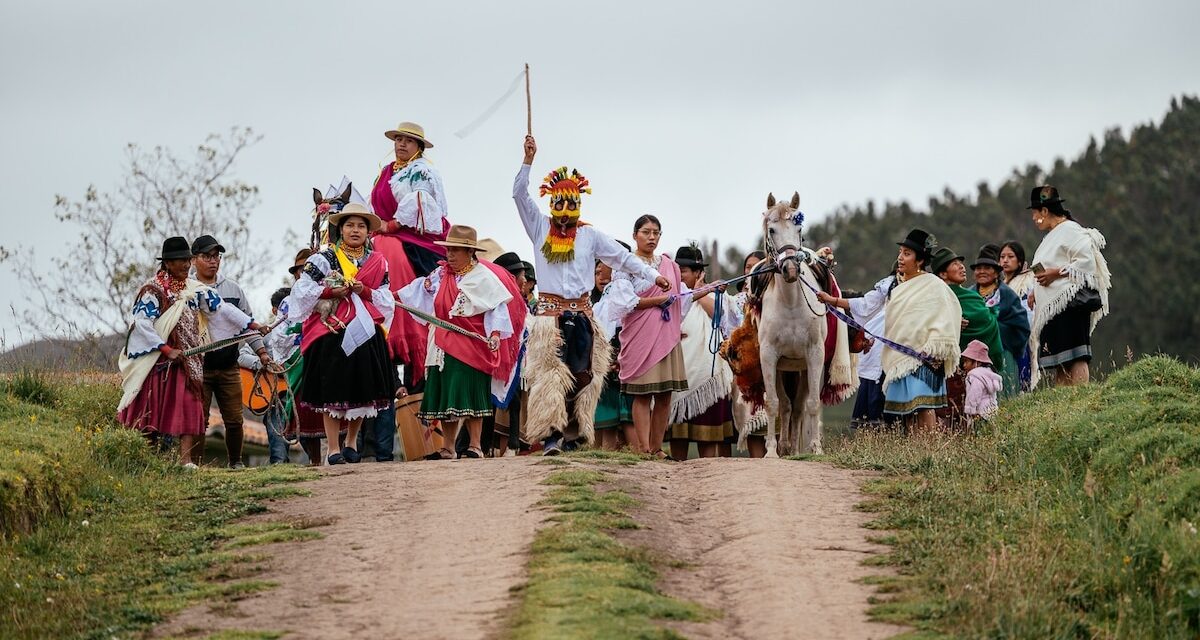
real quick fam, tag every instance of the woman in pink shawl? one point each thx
(651, 360)
(410, 200)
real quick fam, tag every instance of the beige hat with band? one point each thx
(409, 130)
(460, 235)
(356, 209)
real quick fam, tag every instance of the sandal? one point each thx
(663, 455)
(474, 452)
(442, 454)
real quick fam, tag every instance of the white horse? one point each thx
(791, 334)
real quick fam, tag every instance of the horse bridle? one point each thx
(773, 254)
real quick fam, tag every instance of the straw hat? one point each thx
(409, 130)
(461, 235)
(977, 351)
(356, 209)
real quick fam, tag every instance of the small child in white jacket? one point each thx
(983, 384)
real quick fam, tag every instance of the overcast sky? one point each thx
(692, 111)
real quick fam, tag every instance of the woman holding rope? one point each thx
(161, 381)
(342, 297)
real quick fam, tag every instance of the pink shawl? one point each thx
(646, 338)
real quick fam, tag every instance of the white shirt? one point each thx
(420, 196)
(571, 280)
(869, 310)
(495, 319)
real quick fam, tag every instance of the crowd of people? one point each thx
(595, 341)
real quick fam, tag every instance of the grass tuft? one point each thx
(583, 582)
(1072, 514)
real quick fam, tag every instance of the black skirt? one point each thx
(423, 261)
(351, 386)
(1066, 338)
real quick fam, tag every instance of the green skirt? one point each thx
(615, 408)
(456, 391)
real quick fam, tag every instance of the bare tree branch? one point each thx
(121, 231)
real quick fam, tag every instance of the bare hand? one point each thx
(530, 149)
(494, 342)
(1047, 276)
(174, 354)
(356, 286)
(965, 323)
(663, 283)
(826, 298)
(1029, 302)
(263, 329)
(339, 292)
(401, 393)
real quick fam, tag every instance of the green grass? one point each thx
(101, 537)
(583, 582)
(1074, 514)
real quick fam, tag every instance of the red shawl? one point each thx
(497, 364)
(370, 274)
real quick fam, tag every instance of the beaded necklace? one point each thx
(169, 284)
(987, 291)
(354, 254)
(465, 270)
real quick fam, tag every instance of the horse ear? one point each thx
(345, 197)
(317, 197)
(770, 200)
(795, 199)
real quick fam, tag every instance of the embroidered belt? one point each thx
(552, 305)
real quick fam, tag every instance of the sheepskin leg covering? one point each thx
(550, 383)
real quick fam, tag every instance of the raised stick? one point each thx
(528, 104)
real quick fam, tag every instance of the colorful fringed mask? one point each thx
(565, 190)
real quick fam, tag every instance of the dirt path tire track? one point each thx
(432, 550)
(422, 550)
(776, 545)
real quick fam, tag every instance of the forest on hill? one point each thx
(1140, 190)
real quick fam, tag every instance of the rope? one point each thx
(714, 337)
(905, 349)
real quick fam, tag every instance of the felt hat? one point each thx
(205, 244)
(511, 262)
(302, 256)
(920, 241)
(355, 209)
(1045, 196)
(460, 235)
(530, 274)
(409, 130)
(942, 259)
(989, 256)
(977, 351)
(690, 256)
(175, 248)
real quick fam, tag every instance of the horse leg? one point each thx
(787, 409)
(812, 398)
(769, 360)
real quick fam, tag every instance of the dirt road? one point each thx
(432, 549)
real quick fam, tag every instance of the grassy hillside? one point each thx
(1074, 514)
(99, 536)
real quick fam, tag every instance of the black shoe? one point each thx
(351, 455)
(335, 458)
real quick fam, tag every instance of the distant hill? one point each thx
(57, 354)
(1142, 191)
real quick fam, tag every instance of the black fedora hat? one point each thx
(530, 274)
(204, 244)
(1045, 196)
(920, 241)
(175, 248)
(510, 261)
(989, 256)
(690, 256)
(942, 258)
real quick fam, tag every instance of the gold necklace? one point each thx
(356, 254)
(465, 270)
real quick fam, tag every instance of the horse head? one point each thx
(783, 234)
(323, 206)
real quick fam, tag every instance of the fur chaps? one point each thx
(549, 383)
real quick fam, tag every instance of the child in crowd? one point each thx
(983, 384)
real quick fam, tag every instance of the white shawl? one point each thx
(1076, 251)
(923, 313)
(705, 387)
(135, 370)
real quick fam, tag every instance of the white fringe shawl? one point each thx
(705, 387)
(923, 313)
(1075, 250)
